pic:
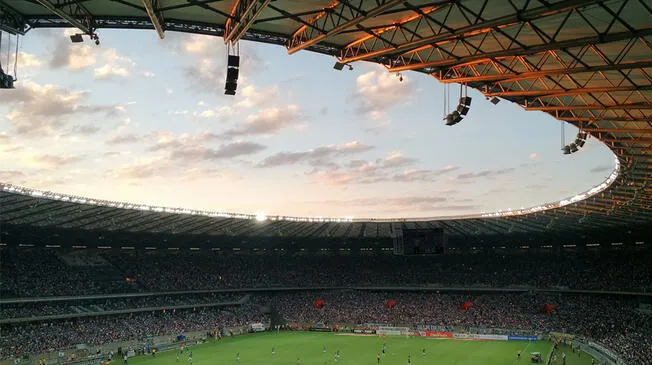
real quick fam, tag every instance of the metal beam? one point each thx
(619, 130)
(510, 77)
(563, 92)
(74, 13)
(155, 16)
(11, 21)
(601, 119)
(472, 29)
(335, 15)
(552, 108)
(243, 14)
(522, 51)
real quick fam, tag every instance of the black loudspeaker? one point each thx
(232, 74)
(233, 61)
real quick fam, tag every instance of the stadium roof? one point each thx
(585, 62)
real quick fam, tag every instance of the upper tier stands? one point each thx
(45, 272)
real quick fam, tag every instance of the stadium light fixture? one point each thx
(339, 66)
(76, 38)
(579, 142)
(260, 217)
(462, 108)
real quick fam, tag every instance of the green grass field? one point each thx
(256, 349)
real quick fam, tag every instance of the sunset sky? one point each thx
(144, 120)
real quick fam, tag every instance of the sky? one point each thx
(143, 120)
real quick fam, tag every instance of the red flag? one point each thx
(319, 303)
(390, 304)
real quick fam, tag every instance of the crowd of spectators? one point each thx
(55, 335)
(88, 306)
(614, 322)
(28, 273)
(46, 273)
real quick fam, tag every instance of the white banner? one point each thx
(257, 327)
(473, 336)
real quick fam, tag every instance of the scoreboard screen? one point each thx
(423, 241)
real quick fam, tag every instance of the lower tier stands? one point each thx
(611, 320)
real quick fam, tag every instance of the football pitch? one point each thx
(308, 347)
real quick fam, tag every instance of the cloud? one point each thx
(315, 156)
(115, 65)
(177, 159)
(192, 147)
(57, 161)
(377, 91)
(196, 173)
(221, 113)
(73, 56)
(392, 168)
(230, 150)
(268, 121)
(27, 60)
(11, 176)
(77, 57)
(123, 139)
(82, 130)
(109, 71)
(142, 169)
(601, 168)
(252, 96)
(42, 110)
(484, 173)
(169, 141)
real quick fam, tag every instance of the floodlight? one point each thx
(338, 66)
(453, 118)
(567, 150)
(494, 100)
(466, 100)
(462, 109)
(580, 142)
(573, 147)
(76, 38)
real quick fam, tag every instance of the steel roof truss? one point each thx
(243, 14)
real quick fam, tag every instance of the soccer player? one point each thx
(423, 351)
(384, 348)
(409, 360)
(178, 356)
(190, 358)
(323, 348)
(378, 358)
(337, 355)
(298, 361)
(518, 355)
(273, 350)
(237, 356)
